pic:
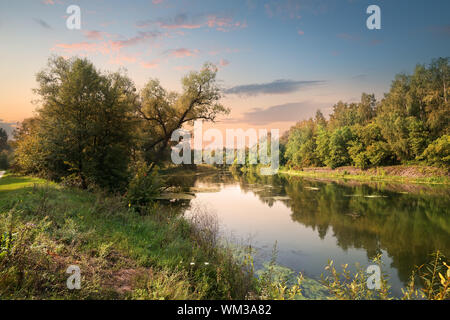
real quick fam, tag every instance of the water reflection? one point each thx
(313, 221)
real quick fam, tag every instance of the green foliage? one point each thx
(300, 148)
(435, 276)
(84, 126)
(144, 187)
(400, 128)
(3, 139)
(162, 112)
(5, 156)
(346, 285)
(274, 282)
(339, 144)
(438, 152)
(91, 125)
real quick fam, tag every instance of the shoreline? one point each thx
(393, 174)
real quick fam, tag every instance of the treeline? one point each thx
(409, 125)
(5, 150)
(95, 128)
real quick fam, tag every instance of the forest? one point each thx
(409, 125)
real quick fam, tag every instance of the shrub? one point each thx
(144, 187)
(4, 160)
(438, 152)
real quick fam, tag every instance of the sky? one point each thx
(278, 61)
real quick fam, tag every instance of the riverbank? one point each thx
(396, 174)
(123, 254)
(45, 228)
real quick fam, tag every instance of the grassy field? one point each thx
(396, 174)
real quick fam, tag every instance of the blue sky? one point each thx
(278, 61)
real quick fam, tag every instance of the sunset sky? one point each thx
(279, 61)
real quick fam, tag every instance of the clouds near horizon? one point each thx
(281, 86)
(287, 112)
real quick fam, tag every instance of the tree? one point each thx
(437, 97)
(366, 109)
(3, 139)
(438, 152)
(323, 145)
(301, 146)
(339, 143)
(398, 129)
(30, 154)
(162, 112)
(86, 122)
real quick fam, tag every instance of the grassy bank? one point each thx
(396, 174)
(45, 228)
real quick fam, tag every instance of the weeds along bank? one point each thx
(155, 253)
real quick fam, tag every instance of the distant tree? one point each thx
(301, 146)
(30, 155)
(162, 112)
(323, 145)
(438, 152)
(398, 129)
(437, 97)
(3, 139)
(339, 144)
(366, 109)
(320, 119)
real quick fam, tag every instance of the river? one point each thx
(312, 221)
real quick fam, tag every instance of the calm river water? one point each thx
(313, 221)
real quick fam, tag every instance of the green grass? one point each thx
(369, 177)
(11, 182)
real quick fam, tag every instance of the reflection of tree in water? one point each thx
(408, 226)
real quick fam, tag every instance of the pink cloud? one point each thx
(182, 68)
(51, 2)
(141, 37)
(111, 48)
(224, 62)
(224, 23)
(122, 59)
(157, 1)
(183, 52)
(179, 26)
(149, 65)
(301, 32)
(101, 48)
(94, 34)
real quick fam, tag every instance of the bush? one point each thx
(144, 187)
(4, 160)
(438, 152)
